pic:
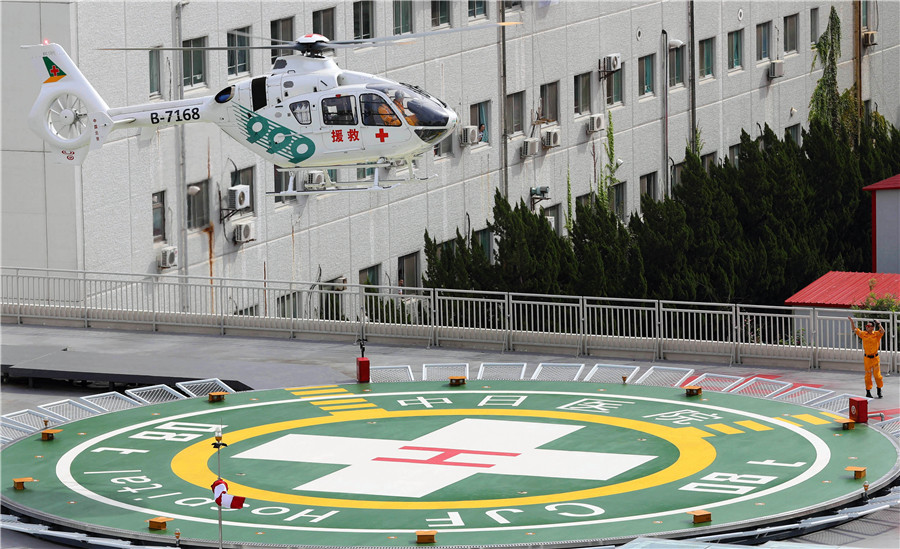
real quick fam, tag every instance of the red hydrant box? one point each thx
(859, 410)
(362, 370)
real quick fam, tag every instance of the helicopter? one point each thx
(305, 113)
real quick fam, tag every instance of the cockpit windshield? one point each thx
(416, 107)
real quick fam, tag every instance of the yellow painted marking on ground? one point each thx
(840, 419)
(691, 432)
(319, 392)
(309, 387)
(788, 421)
(337, 401)
(350, 406)
(750, 424)
(722, 428)
(696, 454)
(809, 418)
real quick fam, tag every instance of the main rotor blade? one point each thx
(285, 46)
(401, 38)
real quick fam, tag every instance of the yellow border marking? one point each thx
(722, 428)
(337, 401)
(750, 424)
(788, 421)
(695, 454)
(838, 418)
(350, 406)
(310, 387)
(809, 418)
(319, 392)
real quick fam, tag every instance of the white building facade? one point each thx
(128, 202)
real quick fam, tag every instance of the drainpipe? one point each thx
(857, 54)
(180, 171)
(504, 148)
(693, 79)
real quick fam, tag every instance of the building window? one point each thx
(515, 112)
(282, 184)
(648, 185)
(194, 62)
(331, 299)
(550, 102)
(485, 240)
(676, 173)
(708, 161)
(763, 32)
(440, 12)
(323, 22)
(512, 4)
(736, 49)
(793, 133)
(370, 276)
(363, 174)
(443, 148)
(864, 13)
(408, 270)
(479, 116)
(402, 16)
(288, 305)
(476, 8)
(252, 310)
(282, 29)
(707, 57)
(363, 20)
(617, 200)
(614, 87)
(583, 93)
(154, 73)
(791, 31)
(198, 205)
(239, 57)
(159, 216)
(645, 75)
(245, 177)
(332, 175)
(734, 155)
(551, 214)
(676, 66)
(813, 25)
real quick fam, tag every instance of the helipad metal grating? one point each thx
(385, 374)
(838, 404)
(154, 394)
(12, 431)
(442, 372)
(111, 401)
(802, 395)
(891, 426)
(609, 373)
(69, 409)
(761, 387)
(33, 419)
(502, 370)
(202, 387)
(665, 376)
(718, 382)
(547, 371)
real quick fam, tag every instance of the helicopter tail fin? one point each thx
(69, 114)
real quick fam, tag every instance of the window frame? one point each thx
(480, 113)
(363, 19)
(246, 176)
(155, 72)
(706, 58)
(550, 101)
(282, 183)
(477, 9)
(736, 49)
(197, 220)
(369, 271)
(794, 133)
(403, 17)
(191, 78)
(813, 25)
(515, 113)
(441, 16)
(764, 41)
(582, 97)
(281, 29)
(323, 22)
(650, 185)
(236, 41)
(617, 199)
(676, 66)
(614, 86)
(645, 72)
(485, 238)
(792, 35)
(158, 203)
(403, 277)
(734, 155)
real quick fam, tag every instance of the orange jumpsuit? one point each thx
(872, 362)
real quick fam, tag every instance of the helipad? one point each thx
(486, 463)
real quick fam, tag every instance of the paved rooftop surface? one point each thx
(262, 363)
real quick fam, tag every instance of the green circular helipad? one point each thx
(486, 463)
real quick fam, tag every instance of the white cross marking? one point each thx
(416, 468)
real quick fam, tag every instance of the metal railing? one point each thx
(494, 320)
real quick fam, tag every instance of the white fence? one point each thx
(808, 337)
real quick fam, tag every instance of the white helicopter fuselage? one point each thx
(306, 113)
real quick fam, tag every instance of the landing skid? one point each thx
(377, 183)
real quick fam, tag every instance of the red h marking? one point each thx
(381, 134)
(55, 70)
(445, 454)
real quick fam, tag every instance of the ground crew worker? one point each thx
(871, 340)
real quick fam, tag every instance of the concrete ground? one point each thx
(262, 363)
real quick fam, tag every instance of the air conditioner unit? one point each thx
(776, 68)
(315, 180)
(550, 138)
(167, 258)
(340, 284)
(529, 147)
(468, 135)
(596, 123)
(611, 62)
(239, 197)
(869, 38)
(244, 232)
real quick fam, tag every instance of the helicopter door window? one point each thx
(339, 110)
(300, 110)
(376, 111)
